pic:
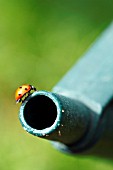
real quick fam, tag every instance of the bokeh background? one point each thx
(39, 42)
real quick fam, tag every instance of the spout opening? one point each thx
(40, 112)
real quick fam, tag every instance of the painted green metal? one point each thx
(60, 119)
(91, 79)
(77, 115)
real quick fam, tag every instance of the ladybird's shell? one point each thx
(21, 91)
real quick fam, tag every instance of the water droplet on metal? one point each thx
(47, 135)
(59, 133)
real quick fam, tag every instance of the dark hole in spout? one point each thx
(40, 112)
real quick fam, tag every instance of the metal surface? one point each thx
(91, 79)
(55, 117)
(77, 116)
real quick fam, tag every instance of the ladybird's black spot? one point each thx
(20, 87)
(19, 94)
(25, 88)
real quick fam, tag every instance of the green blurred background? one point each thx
(39, 42)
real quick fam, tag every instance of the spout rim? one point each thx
(47, 130)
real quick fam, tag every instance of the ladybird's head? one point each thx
(23, 92)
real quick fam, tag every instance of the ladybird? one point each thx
(23, 92)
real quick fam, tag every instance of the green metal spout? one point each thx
(55, 117)
(77, 115)
(58, 118)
